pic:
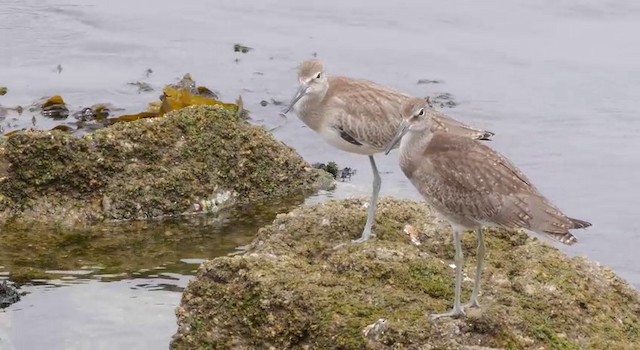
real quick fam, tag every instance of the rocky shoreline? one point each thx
(195, 159)
(301, 285)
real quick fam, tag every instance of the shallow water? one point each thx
(118, 287)
(557, 81)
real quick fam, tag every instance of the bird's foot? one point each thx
(455, 313)
(365, 237)
(473, 303)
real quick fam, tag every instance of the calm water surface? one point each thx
(557, 81)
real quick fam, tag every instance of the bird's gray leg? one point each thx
(476, 284)
(366, 233)
(459, 259)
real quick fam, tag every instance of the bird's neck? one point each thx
(412, 147)
(309, 110)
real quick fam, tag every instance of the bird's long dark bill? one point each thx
(302, 90)
(402, 129)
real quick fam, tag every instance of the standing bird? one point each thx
(359, 116)
(472, 186)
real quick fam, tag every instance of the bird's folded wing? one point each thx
(442, 122)
(470, 178)
(366, 112)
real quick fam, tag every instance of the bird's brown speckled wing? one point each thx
(470, 179)
(368, 113)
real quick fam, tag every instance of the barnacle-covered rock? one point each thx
(301, 284)
(200, 158)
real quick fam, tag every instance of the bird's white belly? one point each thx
(332, 136)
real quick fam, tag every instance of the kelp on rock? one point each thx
(182, 94)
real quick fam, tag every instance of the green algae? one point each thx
(299, 286)
(192, 159)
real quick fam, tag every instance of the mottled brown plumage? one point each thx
(359, 116)
(472, 186)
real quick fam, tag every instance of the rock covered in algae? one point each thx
(8, 294)
(300, 287)
(192, 160)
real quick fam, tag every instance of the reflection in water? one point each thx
(117, 251)
(114, 286)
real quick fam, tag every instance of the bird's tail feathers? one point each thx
(577, 223)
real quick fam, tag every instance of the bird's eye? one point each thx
(319, 75)
(421, 112)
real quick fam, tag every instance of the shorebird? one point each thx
(472, 186)
(359, 116)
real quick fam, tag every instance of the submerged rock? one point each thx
(443, 100)
(8, 294)
(196, 159)
(341, 174)
(330, 167)
(302, 285)
(241, 48)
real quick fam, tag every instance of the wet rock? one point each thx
(341, 174)
(241, 48)
(300, 284)
(345, 174)
(150, 167)
(63, 128)
(188, 85)
(205, 92)
(331, 168)
(8, 294)
(142, 86)
(443, 100)
(84, 114)
(54, 108)
(276, 102)
(428, 81)
(98, 112)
